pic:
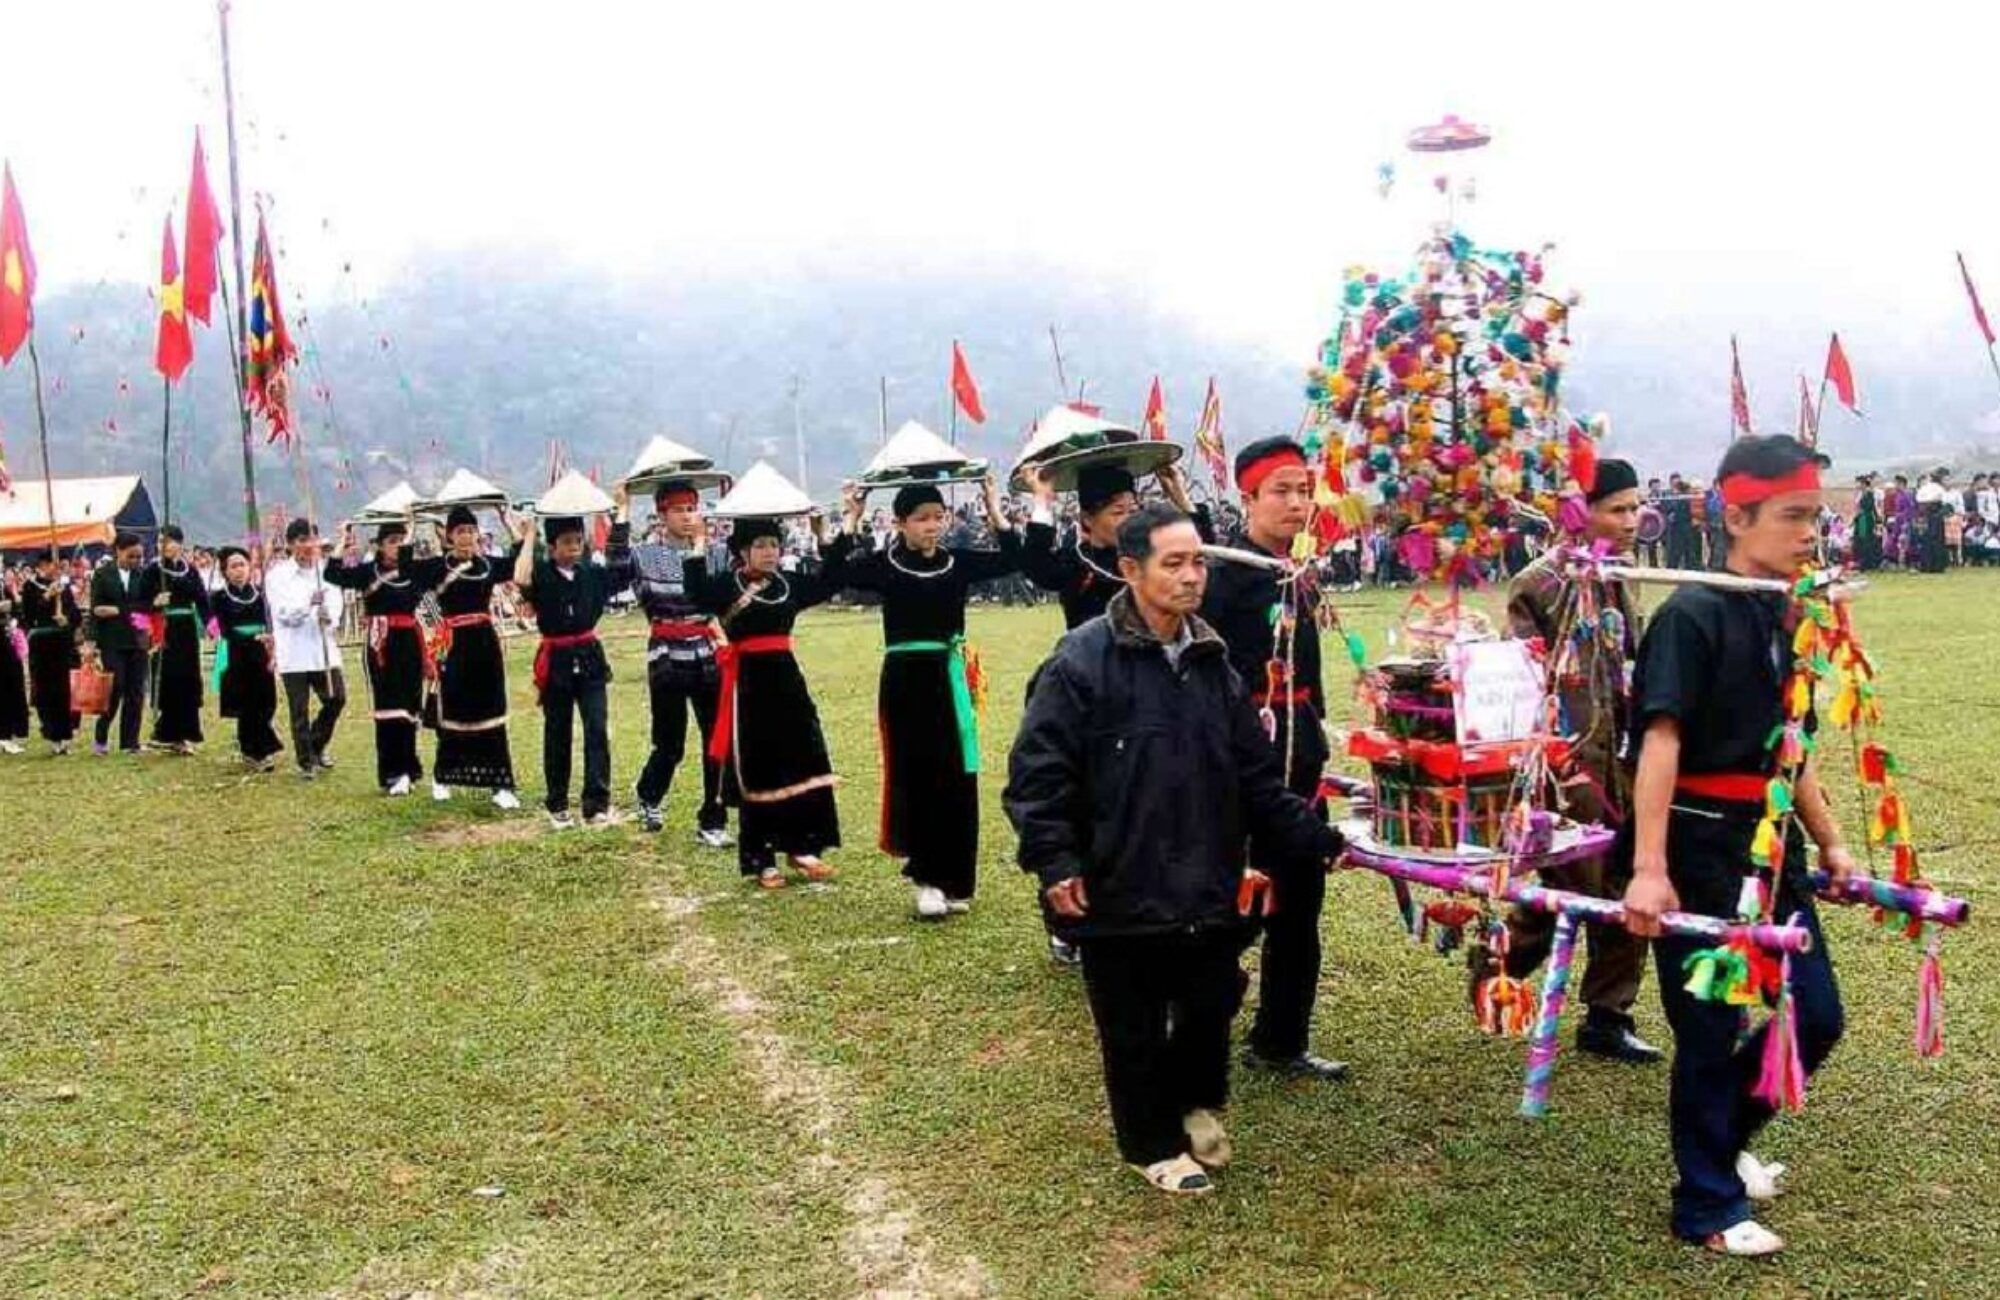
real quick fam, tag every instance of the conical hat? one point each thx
(665, 460)
(574, 495)
(913, 447)
(1064, 428)
(1064, 466)
(397, 502)
(465, 488)
(762, 491)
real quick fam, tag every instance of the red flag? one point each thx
(174, 349)
(270, 343)
(1841, 375)
(1208, 440)
(1808, 417)
(17, 271)
(1739, 396)
(1155, 423)
(1978, 312)
(963, 388)
(1085, 408)
(204, 232)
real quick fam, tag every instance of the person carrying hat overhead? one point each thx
(1272, 630)
(929, 686)
(569, 594)
(392, 583)
(1541, 606)
(1083, 571)
(767, 735)
(682, 674)
(1707, 705)
(246, 685)
(472, 748)
(51, 617)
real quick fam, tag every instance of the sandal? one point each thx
(770, 878)
(812, 868)
(1179, 1176)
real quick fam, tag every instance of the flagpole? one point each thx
(1062, 379)
(883, 409)
(242, 295)
(799, 435)
(166, 450)
(42, 427)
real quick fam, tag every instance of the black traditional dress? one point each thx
(177, 633)
(472, 679)
(396, 653)
(246, 685)
(1867, 532)
(13, 675)
(51, 654)
(768, 735)
(926, 707)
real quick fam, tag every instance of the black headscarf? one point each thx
(914, 497)
(750, 529)
(1098, 485)
(460, 517)
(1612, 476)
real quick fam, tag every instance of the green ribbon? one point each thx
(246, 631)
(961, 692)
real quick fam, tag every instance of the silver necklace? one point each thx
(1093, 565)
(784, 589)
(890, 554)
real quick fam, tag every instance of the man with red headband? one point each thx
(1272, 631)
(1593, 698)
(681, 671)
(1706, 702)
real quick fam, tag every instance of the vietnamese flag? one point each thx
(174, 349)
(1155, 422)
(17, 271)
(1978, 309)
(204, 232)
(963, 389)
(1841, 376)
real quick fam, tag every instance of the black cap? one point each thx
(460, 517)
(1098, 485)
(1612, 476)
(914, 497)
(750, 528)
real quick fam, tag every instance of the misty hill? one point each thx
(468, 362)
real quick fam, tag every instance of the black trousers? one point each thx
(311, 736)
(1288, 977)
(128, 697)
(671, 705)
(567, 695)
(1162, 1004)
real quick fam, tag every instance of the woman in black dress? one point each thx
(472, 672)
(13, 677)
(767, 732)
(930, 682)
(246, 686)
(177, 600)
(49, 614)
(392, 584)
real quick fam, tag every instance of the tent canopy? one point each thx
(88, 512)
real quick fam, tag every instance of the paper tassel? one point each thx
(1782, 1081)
(1930, 1004)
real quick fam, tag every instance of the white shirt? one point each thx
(1931, 490)
(1989, 505)
(302, 644)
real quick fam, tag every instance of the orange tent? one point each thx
(88, 512)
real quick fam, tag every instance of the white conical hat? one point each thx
(465, 488)
(1064, 428)
(663, 455)
(762, 492)
(913, 447)
(573, 495)
(398, 501)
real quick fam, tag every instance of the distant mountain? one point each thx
(467, 362)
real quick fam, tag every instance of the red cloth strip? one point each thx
(729, 658)
(1735, 787)
(551, 644)
(1743, 490)
(671, 629)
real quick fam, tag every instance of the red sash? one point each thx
(379, 628)
(454, 621)
(670, 629)
(1731, 787)
(728, 658)
(551, 644)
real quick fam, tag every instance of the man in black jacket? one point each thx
(121, 648)
(1138, 775)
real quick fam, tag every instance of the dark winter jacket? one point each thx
(1146, 779)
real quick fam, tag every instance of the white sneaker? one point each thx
(1179, 1176)
(561, 821)
(440, 793)
(1760, 1181)
(1746, 1240)
(10, 747)
(715, 839)
(399, 787)
(930, 904)
(958, 906)
(506, 801)
(597, 821)
(1208, 1142)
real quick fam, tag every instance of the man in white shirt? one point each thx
(305, 612)
(1986, 495)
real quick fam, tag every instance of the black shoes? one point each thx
(1303, 1066)
(1616, 1042)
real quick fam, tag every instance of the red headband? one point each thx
(1745, 490)
(1252, 476)
(682, 496)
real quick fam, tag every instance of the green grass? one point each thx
(258, 1038)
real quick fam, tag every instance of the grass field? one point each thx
(261, 1038)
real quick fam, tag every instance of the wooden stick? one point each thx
(242, 299)
(42, 427)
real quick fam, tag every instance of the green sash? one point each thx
(961, 692)
(246, 631)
